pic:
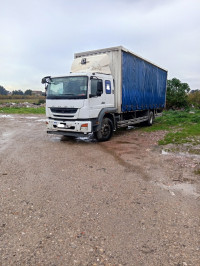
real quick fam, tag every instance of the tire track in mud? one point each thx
(129, 167)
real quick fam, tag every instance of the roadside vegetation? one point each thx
(22, 110)
(22, 104)
(181, 119)
(181, 126)
(21, 99)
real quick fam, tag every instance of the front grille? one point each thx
(63, 110)
(63, 115)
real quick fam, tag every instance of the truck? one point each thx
(105, 90)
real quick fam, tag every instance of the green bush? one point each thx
(194, 99)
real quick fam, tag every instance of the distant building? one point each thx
(37, 93)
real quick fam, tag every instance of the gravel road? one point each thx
(78, 202)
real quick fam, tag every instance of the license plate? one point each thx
(61, 125)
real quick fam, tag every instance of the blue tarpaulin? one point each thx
(143, 84)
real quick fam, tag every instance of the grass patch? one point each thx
(183, 127)
(194, 151)
(22, 110)
(197, 172)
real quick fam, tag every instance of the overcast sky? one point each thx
(40, 37)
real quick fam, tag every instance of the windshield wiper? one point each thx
(68, 94)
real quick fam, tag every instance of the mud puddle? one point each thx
(72, 140)
(5, 139)
(6, 116)
(184, 188)
(180, 154)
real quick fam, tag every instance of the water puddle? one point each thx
(6, 135)
(41, 120)
(30, 117)
(187, 189)
(181, 154)
(6, 116)
(87, 139)
(5, 139)
(55, 139)
(72, 140)
(165, 152)
(131, 127)
(184, 188)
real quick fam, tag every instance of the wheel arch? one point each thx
(107, 113)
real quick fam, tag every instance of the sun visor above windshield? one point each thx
(96, 63)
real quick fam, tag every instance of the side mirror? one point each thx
(43, 81)
(46, 80)
(93, 77)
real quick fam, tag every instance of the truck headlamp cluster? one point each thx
(84, 125)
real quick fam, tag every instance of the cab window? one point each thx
(96, 87)
(108, 86)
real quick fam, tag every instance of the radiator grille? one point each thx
(63, 110)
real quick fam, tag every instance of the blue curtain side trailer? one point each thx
(139, 83)
(143, 84)
(139, 86)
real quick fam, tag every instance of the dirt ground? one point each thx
(79, 202)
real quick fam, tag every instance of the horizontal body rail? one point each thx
(129, 122)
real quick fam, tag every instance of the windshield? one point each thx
(68, 88)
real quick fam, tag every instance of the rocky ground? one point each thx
(78, 202)
(24, 104)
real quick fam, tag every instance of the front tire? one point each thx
(106, 130)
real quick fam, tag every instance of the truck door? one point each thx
(97, 99)
(109, 90)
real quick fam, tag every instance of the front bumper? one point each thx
(83, 127)
(64, 133)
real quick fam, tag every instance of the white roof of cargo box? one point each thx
(95, 63)
(117, 48)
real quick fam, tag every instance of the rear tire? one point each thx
(106, 130)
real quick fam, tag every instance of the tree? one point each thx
(28, 92)
(17, 92)
(177, 94)
(3, 91)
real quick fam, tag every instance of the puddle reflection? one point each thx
(73, 140)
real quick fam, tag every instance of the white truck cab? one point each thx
(74, 102)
